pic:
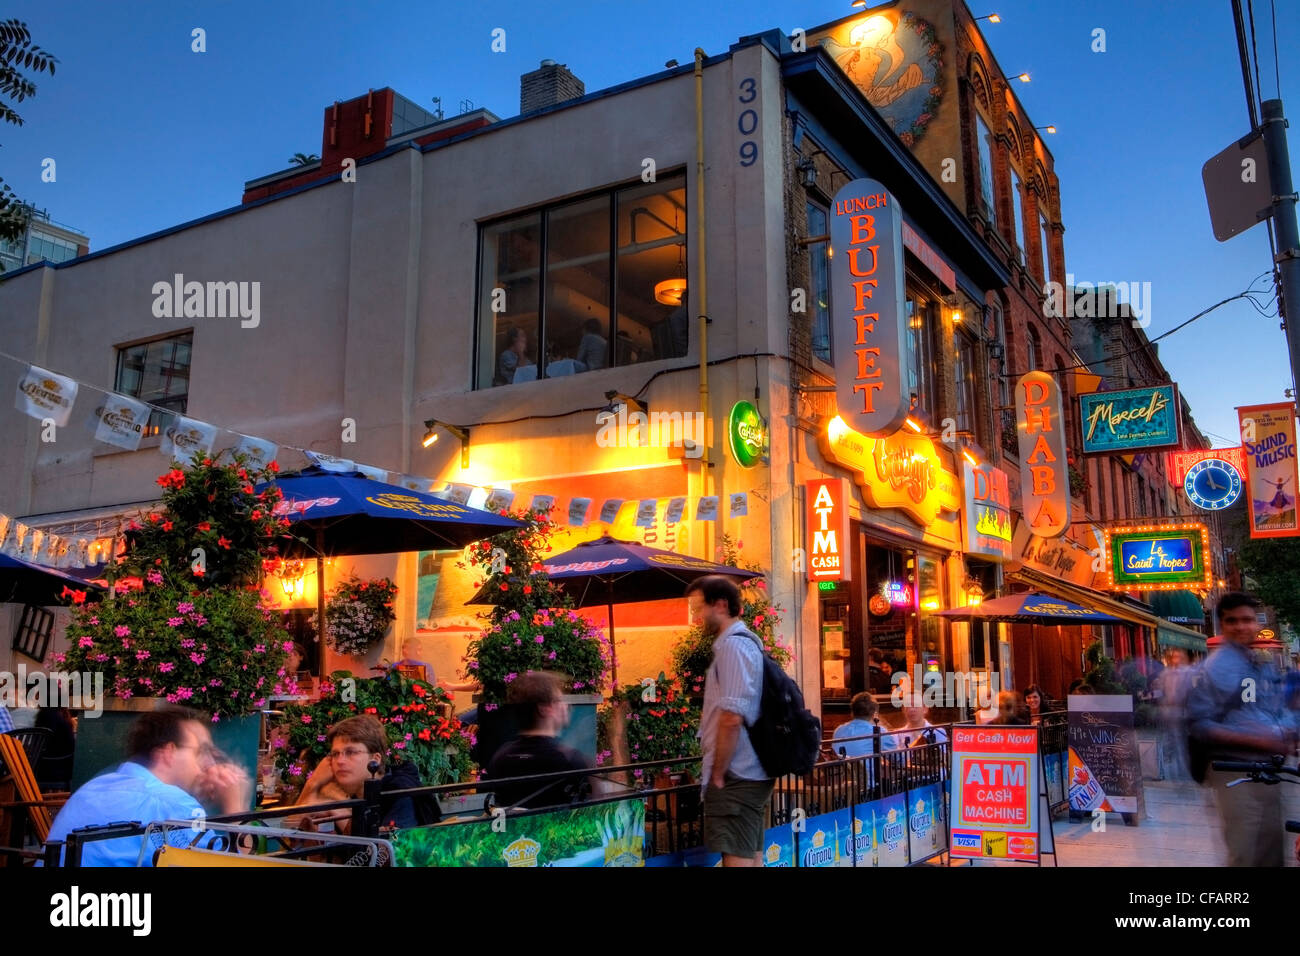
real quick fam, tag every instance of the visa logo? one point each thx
(966, 840)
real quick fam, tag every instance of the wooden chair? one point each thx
(31, 805)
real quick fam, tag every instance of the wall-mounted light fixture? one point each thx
(990, 17)
(617, 400)
(431, 436)
(1049, 128)
(1022, 77)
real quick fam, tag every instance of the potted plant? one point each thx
(416, 716)
(533, 626)
(358, 614)
(187, 621)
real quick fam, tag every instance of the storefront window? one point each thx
(890, 617)
(920, 349)
(613, 290)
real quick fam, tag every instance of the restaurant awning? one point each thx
(1085, 596)
(1178, 607)
(1171, 635)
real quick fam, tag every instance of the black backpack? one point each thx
(786, 736)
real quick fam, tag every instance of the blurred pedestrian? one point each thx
(1171, 695)
(1012, 709)
(1235, 711)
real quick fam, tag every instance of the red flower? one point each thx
(417, 690)
(273, 467)
(78, 597)
(198, 572)
(505, 587)
(425, 734)
(205, 526)
(528, 589)
(256, 516)
(166, 525)
(371, 710)
(224, 542)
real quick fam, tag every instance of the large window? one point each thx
(1045, 231)
(613, 290)
(964, 380)
(819, 277)
(55, 249)
(984, 147)
(1018, 214)
(1034, 348)
(922, 310)
(157, 372)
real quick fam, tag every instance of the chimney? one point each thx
(549, 85)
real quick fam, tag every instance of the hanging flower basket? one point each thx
(358, 614)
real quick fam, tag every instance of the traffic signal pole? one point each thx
(1287, 259)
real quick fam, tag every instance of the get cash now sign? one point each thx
(995, 792)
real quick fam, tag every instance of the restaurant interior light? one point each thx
(431, 435)
(670, 291)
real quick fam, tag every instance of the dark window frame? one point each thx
(34, 632)
(168, 405)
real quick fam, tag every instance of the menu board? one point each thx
(1105, 769)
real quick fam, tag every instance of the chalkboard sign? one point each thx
(1105, 769)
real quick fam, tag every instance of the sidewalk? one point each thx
(1181, 828)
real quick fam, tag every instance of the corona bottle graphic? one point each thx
(875, 846)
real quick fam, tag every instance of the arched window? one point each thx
(1034, 348)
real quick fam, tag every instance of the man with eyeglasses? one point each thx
(171, 773)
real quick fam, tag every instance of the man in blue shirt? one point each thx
(6, 722)
(171, 768)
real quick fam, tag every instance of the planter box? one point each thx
(497, 727)
(101, 741)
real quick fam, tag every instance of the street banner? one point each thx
(707, 509)
(1129, 418)
(995, 804)
(499, 499)
(458, 493)
(1268, 437)
(258, 452)
(1105, 769)
(43, 394)
(645, 512)
(1044, 479)
(778, 846)
(543, 503)
(739, 504)
(375, 474)
(880, 832)
(603, 834)
(609, 510)
(926, 822)
(868, 297)
(578, 508)
(184, 437)
(120, 421)
(327, 462)
(823, 838)
(675, 508)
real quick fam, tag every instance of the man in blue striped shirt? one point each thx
(737, 791)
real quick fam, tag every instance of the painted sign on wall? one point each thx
(867, 297)
(988, 511)
(902, 471)
(1130, 418)
(1157, 559)
(828, 530)
(1044, 481)
(1268, 439)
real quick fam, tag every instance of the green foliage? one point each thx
(694, 650)
(17, 54)
(662, 721)
(1273, 564)
(204, 635)
(213, 507)
(303, 159)
(409, 710)
(533, 625)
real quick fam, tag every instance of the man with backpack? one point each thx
(737, 790)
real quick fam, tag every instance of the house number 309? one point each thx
(747, 122)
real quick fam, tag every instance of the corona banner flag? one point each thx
(1268, 438)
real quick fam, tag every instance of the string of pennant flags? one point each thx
(121, 421)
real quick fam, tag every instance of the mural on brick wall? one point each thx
(896, 60)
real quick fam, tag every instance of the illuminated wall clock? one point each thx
(1213, 484)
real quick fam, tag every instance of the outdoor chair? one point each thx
(32, 805)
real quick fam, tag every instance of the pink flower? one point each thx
(305, 718)
(122, 630)
(86, 641)
(540, 639)
(320, 738)
(185, 607)
(198, 658)
(94, 619)
(187, 643)
(154, 576)
(175, 621)
(287, 646)
(551, 656)
(141, 655)
(259, 648)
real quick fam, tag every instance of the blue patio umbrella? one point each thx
(1029, 608)
(610, 571)
(23, 581)
(348, 513)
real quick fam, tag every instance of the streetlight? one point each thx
(990, 17)
(1023, 77)
(1050, 129)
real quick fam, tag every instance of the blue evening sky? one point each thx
(148, 134)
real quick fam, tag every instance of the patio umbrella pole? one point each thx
(320, 588)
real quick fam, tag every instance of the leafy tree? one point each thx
(18, 55)
(1274, 565)
(303, 159)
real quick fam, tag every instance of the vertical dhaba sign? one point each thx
(1044, 480)
(867, 296)
(1268, 438)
